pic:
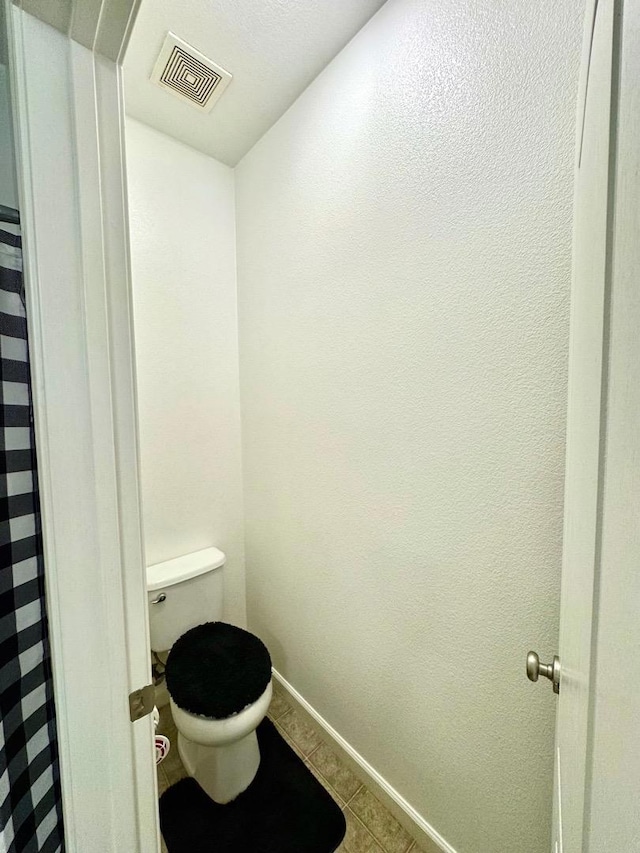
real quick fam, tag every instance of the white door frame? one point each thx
(69, 138)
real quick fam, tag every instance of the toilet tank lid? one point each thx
(183, 568)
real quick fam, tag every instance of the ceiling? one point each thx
(273, 48)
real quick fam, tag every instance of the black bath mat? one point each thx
(284, 810)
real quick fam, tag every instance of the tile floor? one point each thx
(370, 827)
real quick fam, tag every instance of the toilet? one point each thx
(218, 676)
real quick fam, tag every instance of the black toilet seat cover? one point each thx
(216, 670)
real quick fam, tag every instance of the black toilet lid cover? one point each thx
(216, 670)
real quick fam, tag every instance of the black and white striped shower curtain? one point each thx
(30, 805)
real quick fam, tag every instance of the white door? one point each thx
(585, 448)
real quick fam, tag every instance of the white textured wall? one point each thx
(184, 287)
(404, 240)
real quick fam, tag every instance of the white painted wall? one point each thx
(404, 243)
(184, 285)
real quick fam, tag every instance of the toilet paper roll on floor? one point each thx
(162, 743)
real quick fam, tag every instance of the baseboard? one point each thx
(403, 811)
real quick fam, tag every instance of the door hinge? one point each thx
(141, 702)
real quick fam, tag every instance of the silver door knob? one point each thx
(549, 670)
(162, 597)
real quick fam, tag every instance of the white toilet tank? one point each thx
(183, 593)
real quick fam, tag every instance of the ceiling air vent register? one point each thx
(188, 74)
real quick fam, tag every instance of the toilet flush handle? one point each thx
(162, 597)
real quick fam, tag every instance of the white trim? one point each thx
(373, 779)
(68, 109)
(33, 291)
